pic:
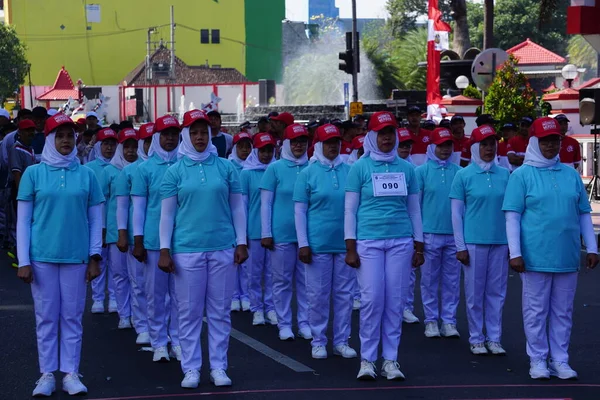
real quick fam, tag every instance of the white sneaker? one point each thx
(161, 354)
(478, 349)
(45, 386)
(356, 304)
(72, 385)
(112, 306)
(286, 334)
(143, 338)
(235, 305)
(191, 380)
(345, 351)
(409, 317)
(391, 370)
(367, 371)
(258, 318)
(319, 352)
(495, 348)
(449, 331)
(432, 330)
(125, 323)
(272, 318)
(538, 369)
(562, 370)
(245, 305)
(305, 333)
(175, 352)
(98, 307)
(219, 378)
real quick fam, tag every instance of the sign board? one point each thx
(485, 65)
(356, 108)
(92, 13)
(396, 103)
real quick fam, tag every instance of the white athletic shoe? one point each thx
(449, 331)
(432, 330)
(245, 305)
(495, 348)
(45, 386)
(391, 370)
(98, 307)
(72, 385)
(125, 323)
(161, 354)
(356, 304)
(235, 305)
(175, 352)
(112, 306)
(538, 369)
(409, 317)
(305, 333)
(143, 338)
(191, 380)
(219, 378)
(478, 349)
(258, 318)
(367, 371)
(343, 350)
(319, 352)
(286, 334)
(272, 318)
(562, 370)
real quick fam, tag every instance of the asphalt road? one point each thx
(262, 367)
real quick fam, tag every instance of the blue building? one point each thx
(326, 8)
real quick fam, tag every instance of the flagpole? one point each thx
(355, 55)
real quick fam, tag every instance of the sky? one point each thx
(297, 10)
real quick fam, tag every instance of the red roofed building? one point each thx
(61, 91)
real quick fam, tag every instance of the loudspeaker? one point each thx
(266, 91)
(139, 102)
(589, 112)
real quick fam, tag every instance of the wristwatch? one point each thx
(96, 257)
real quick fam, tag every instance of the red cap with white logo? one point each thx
(440, 135)
(241, 136)
(166, 122)
(127, 133)
(146, 131)
(481, 133)
(404, 135)
(263, 139)
(326, 132)
(106, 133)
(380, 120)
(295, 131)
(357, 142)
(57, 120)
(195, 115)
(543, 127)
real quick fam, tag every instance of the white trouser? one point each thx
(355, 288)
(485, 290)
(285, 266)
(162, 305)
(204, 281)
(99, 284)
(120, 275)
(139, 305)
(441, 268)
(259, 268)
(59, 298)
(548, 313)
(329, 276)
(240, 289)
(383, 276)
(409, 296)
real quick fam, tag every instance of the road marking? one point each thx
(17, 307)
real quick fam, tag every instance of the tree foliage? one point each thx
(404, 14)
(582, 54)
(510, 97)
(13, 63)
(472, 92)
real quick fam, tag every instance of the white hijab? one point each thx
(164, 155)
(119, 160)
(372, 150)
(253, 163)
(286, 154)
(52, 157)
(353, 157)
(476, 158)
(98, 153)
(186, 148)
(431, 155)
(141, 153)
(535, 158)
(234, 156)
(318, 156)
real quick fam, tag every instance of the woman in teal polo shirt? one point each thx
(58, 258)
(384, 240)
(547, 210)
(319, 210)
(203, 229)
(279, 232)
(476, 199)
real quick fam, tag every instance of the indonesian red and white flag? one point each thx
(437, 41)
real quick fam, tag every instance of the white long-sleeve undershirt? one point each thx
(458, 215)
(122, 212)
(139, 214)
(300, 218)
(266, 213)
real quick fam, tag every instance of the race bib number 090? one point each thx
(389, 184)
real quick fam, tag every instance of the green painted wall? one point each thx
(263, 39)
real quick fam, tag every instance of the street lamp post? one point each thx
(461, 83)
(569, 73)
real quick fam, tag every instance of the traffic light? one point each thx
(347, 57)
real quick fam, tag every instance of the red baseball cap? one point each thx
(481, 133)
(263, 139)
(57, 120)
(81, 121)
(357, 142)
(127, 133)
(166, 122)
(543, 127)
(26, 124)
(106, 133)
(326, 132)
(295, 131)
(241, 136)
(284, 117)
(381, 119)
(195, 115)
(404, 135)
(440, 135)
(146, 130)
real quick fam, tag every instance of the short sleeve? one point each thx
(301, 189)
(245, 182)
(233, 178)
(15, 161)
(584, 204)
(139, 184)
(269, 179)
(420, 174)
(413, 184)
(122, 184)
(169, 183)
(354, 181)
(466, 153)
(27, 186)
(457, 191)
(514, 197)
(95, 194)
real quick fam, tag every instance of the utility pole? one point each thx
(355, 55)
(148, 73)
(172, 70)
